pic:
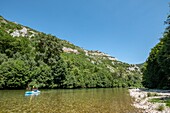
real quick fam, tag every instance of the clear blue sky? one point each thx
(125, 29)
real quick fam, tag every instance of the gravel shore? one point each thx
(141, 98)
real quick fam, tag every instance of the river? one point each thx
(104, 100)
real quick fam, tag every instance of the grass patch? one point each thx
(168, 102)
(161, 100)
(157, 100)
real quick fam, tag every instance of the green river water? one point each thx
(104, 100)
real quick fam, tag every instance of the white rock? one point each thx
(70, 50)
(141, 100)
(15, 33)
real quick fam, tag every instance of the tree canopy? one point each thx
(156, 70)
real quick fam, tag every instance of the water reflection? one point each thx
(68, 101)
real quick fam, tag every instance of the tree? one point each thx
(156, 70)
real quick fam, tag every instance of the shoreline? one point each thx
(141, 100)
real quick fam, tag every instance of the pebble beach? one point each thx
(141, 100)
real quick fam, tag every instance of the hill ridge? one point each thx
(50, 62)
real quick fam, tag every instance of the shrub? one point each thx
(152, 94)
(161, 107)
(149, 94)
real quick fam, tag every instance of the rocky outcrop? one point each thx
(24, 32)
(70, 50)
(99, 54)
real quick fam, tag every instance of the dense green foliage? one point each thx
(29, 61)
(82, 73)
(34, 58)
(156, 69)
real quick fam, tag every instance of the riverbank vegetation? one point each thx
(156, 75)
(156, 68)
(29, 57)
(165, 100)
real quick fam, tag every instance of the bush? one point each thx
(149, 94)
(161, 107)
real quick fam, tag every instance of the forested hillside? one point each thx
(29, 57)
(157, 66)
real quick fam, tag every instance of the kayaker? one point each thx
(34, 89)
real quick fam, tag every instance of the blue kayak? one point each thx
(28, 93)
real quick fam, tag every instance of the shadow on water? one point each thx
(107, 100)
